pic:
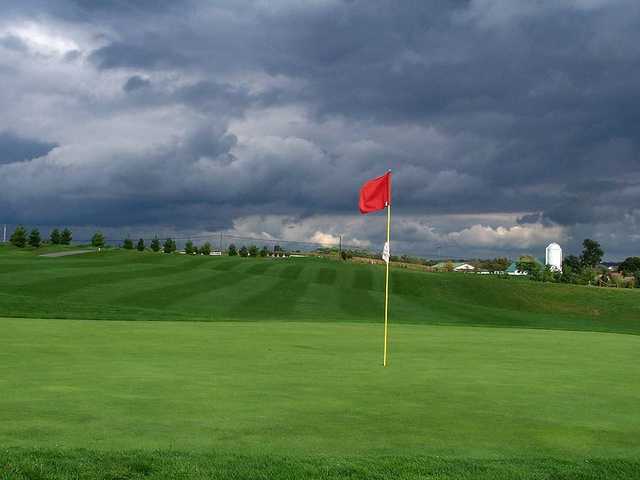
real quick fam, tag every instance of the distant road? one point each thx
(64, 254)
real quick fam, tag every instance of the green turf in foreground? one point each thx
(305, 390)
(84, 464)
(264, 399)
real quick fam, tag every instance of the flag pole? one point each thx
(386, 287)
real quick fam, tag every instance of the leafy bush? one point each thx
(630, 266)
(244, 252)
(531, 267)
(127, 244)
(232, 251)
(140, 245)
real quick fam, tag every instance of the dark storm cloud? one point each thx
(135, 83)
(481, 106)
(14, 148)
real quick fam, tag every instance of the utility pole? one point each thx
(220, 241)
(340, 247)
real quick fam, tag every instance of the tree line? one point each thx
(584, 269)
(253, 251)
(168, 246)
(20, 238)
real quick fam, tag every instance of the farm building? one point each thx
(553, 259)
(453, 267)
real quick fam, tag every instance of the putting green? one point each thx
(306, 389)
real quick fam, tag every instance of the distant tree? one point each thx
(232, 250)
(55, 237)
(189, 248)
(277, 248)
(344, 255)
(97, 240)
(548, 275)
(169, 246)
(34, 238)
(591, 253)
(630, 266)
(127, 244)
(530, 267)
(66, 237)
(499, 264)
(155, 244)
(205, 249)
(140, 245)
(19, 237)
(253, 251)
(573, 263)
(264, 251)
(569, 275)
(243, 251)
(587, 276)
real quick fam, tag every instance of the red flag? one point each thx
(376, 194)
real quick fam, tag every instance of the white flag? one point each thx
(385, 252)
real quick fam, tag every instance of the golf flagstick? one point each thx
(375, 195)
(385, 255)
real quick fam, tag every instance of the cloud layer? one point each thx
(507, 124)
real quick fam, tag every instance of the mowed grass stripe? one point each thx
(112, 281)
(326, 276)
(260, 268)
(269, 295)
(69, 284)
(175, 291)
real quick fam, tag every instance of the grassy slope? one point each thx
(308, 399)
(131, 286)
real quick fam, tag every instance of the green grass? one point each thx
(120, 285)
(27, 464)
(281, 376)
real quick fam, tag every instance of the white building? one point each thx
(553, 257)
(463, 267)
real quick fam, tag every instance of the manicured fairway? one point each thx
(121, 285)
(263, 396)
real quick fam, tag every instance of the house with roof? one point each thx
(453, 267)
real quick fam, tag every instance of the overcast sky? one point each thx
(508, 124)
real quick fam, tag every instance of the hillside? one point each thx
(122, 285)
(281, 375)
